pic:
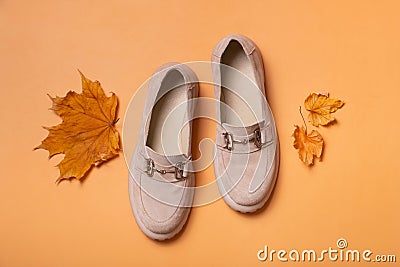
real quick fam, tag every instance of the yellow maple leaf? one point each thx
(87, 135)
(321, 107)
(309, 145)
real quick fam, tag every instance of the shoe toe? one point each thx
(160, 207)
(246, 179)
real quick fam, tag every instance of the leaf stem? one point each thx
(303, 118)
(114, 122)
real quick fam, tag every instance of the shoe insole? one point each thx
(169, 130)
(239, 90)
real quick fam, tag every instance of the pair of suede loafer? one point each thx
(161, 179)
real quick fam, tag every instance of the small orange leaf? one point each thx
(309, 145)
(321, 108)
(87, 135)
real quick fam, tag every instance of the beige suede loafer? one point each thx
(247, 155)
(161, 183)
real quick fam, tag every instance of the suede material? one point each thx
(158, 216)
(248, 175)
(245, 179)
(161, 203)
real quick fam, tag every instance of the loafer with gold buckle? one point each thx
(247, 154)
(161, 181)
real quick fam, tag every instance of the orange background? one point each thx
(349, 48)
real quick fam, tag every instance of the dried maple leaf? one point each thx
(87, 135)
(309, 145)
(321, 108)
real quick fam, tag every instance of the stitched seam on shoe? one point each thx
(144, 208)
